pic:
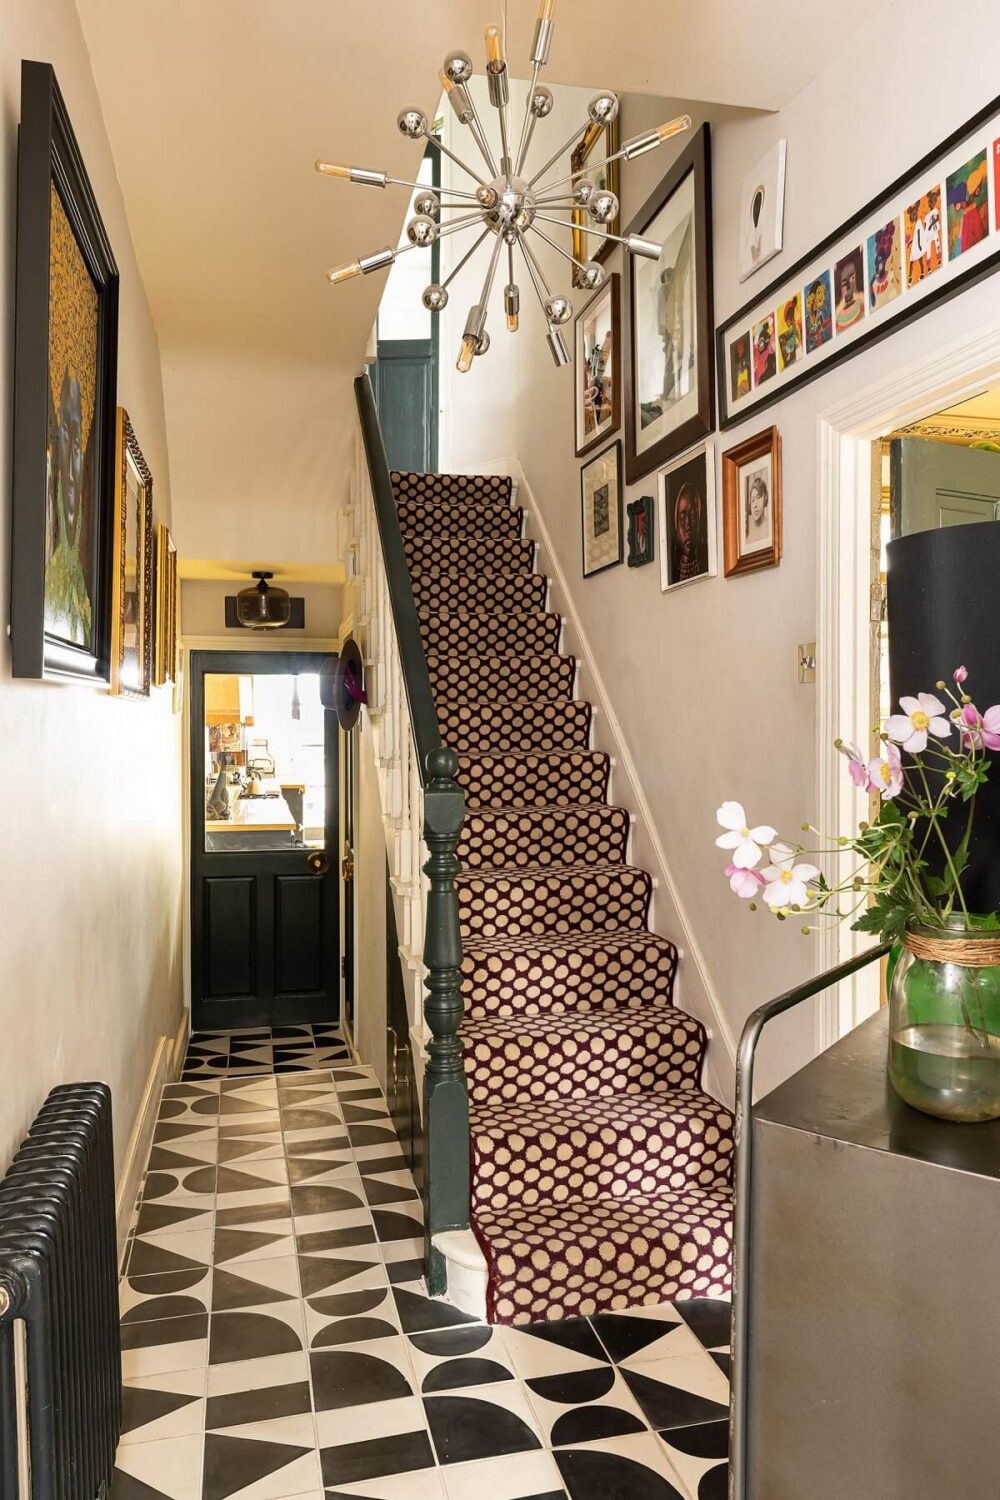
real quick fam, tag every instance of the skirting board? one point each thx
(165, 1067)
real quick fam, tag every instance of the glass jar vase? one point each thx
(944, 1023)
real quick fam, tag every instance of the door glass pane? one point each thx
(265, 767)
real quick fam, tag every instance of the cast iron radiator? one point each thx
(59, 1339)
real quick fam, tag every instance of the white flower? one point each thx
(747, 844)
(788, 883)
(922, 713)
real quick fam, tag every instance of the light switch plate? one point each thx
(806, 662)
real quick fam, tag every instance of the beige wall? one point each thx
(703, 681)
(90, 882)
(203, 605)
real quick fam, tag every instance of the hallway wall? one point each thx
(703, 681)
(90, 881)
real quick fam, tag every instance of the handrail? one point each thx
(428, 814)
(745, 1060)
(413, 661)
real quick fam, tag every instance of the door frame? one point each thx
(203, 660)
(846, 478)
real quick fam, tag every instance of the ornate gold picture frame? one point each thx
(590, 154)
(165, 659)
(132, 593)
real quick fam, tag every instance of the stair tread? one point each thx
(655, 1017)
(570, 942)
(549, 873)
(562, 1115)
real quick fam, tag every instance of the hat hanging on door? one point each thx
(342, 686)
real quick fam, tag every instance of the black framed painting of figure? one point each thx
(670, 371)
(65, 369)
(601, 510)
(688, 538)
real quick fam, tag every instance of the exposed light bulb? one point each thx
(513, 322)
(344, 273)
(494, 48)
(512, 304)
(333, 169)
(674, 127)
(466, 355)
(547, 10)
(446, 83)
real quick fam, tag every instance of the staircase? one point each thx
(601, 1172)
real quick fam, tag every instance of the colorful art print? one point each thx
(739, 367)
(640, 531)
(835, 328)
(66, 334)
(765, 354)
(885, 279)
(601, 510)
(224, 738)
(590, 154)
(669, 379)
(849, 290)
(597, 348)
(967, 194)
(132, 599)
(687, 519)
(819, 312)
(790, 332)
(751, 504)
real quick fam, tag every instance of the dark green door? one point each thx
(265, 929)
(941, 484)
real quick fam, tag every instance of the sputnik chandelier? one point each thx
(505, 203)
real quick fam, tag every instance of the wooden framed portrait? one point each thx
(601, 510)
(598, 365)
(640, 531)
(590, 155)
(751, 504)
(669, 374)
(65, 371)
(688, 535)
(132, 600)
(165, 651)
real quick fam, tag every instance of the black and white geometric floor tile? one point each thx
(264, 1051)
(278, 1342)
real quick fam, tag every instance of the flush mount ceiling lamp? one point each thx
(263, 606)
(505, 203)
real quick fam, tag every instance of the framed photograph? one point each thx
(132, 600)
(65, 371)
(590, 154)
(669, 376)
(598, 361)
(751, 504)
(601, 510)
(688, 541)
(925, 238)
(165, 653)
(762, 211)
(640, 531)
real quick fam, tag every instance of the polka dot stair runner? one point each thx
(601, 1172)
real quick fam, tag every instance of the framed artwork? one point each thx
(165, 655)
(65, 371)
(598, 361)
(132, 599)
(751, 504)
(590, 154)
(762, 211)
(669, 377)
(688, 542)
(601, 510)
(930, 234)
(640, 531)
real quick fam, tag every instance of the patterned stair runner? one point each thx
(601, 1171)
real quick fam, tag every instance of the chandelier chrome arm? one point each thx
(432, 140)
(557, 344)
(564, 253)
(499, 87)
(527, 123)
(475, 339)
(466, 257)
(379, 259)
(371, 177)
(637, 146)
(465, 111)
(511, 293)
(634, 243)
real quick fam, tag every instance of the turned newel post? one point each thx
(446, 1096)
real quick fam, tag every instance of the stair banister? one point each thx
(424, 808)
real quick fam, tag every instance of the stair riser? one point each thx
(530, 679)
(468, 490)
(555, 982)
(560, 836)
(468, 554)
(534, 780)
(560, 903)
(491, 635)
(506, 729)
(476, 592)
(419, 519)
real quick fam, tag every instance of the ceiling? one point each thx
(216, 110)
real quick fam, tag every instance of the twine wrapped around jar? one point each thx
(971, 951)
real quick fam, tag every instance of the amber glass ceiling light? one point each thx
(263, 606)
(505, 202)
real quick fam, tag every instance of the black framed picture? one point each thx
(65, 375)
(601, 510)
(597, 351)
(132, 594)
(922, 239)
(640, 531)
(688, 536)
(670, 375)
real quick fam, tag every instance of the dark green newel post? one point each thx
(446, 1094)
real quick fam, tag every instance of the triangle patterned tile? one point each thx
(170, 1467)
(170, 1252)
(163, 1406)
(358, 1271)
(168, 1217)
(633, 1466)
(266, 1146)
(679, 1392)
(256, 1284)
(234, 1246)
(554, 1348)
(638, 1337)
(194, 1152)
(261, 1462)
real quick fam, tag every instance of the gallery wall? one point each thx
(90, 882)
(704, 681)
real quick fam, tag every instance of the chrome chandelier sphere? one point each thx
(505, 203)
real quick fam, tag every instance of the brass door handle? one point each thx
(317, 862)
(347, 867)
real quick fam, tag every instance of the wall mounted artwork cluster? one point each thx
(83, 601)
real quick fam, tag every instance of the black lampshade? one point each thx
(265, 606)
(942, 615)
